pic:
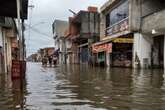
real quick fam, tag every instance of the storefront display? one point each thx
(101, 51)
(122, 52)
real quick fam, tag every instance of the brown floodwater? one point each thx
(80, 87)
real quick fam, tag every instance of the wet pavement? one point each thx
(84, 88)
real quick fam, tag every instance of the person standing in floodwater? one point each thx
(50, 60)
(44, 61)
(54, 60)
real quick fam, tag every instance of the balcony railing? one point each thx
(118, 27)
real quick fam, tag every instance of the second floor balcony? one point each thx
(118, 27)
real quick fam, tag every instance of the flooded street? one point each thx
(84, 88)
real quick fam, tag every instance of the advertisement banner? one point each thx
(18, 69)
(102, 47)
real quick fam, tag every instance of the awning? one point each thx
(8, 8)
(119, 38)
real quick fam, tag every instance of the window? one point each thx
(119, 13)
(107, 21)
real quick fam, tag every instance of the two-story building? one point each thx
(131, 33)
(116, 38)
(84, 31)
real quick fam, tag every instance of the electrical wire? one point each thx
(38, 31)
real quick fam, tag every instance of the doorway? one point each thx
(157, 54)
(102, 58)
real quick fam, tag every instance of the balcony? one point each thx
(118, 28)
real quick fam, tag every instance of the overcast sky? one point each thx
(43, 14)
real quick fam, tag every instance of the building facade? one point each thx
(8, 35)
(59, 29)
(149, 40)
(131, 34)
(84, 31)
(116, 38)
(12, 33)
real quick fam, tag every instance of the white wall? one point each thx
(142, 46)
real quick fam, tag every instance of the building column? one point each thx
(1, 47)
(142, 50)
(107, 59)
(164, 51)
(4, 50)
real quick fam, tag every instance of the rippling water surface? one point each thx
(84, 88)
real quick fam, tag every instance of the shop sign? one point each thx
(18, 69)
(123, 40)
(120, 27)
(103, 47)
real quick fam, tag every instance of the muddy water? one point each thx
(84, 88)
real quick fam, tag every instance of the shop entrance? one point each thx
(84, 54)
(122, 54)
(102, 58)
(157, 54)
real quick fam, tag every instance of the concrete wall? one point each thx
(102, 25)
(151, 6)
(155, 21)
(134, 15)
(140, 9)
(60, 27)
(142, 46)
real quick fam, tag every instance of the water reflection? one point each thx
(11, 93)
(82, 87)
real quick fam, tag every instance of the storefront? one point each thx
(84, 54)
(118, 52)
(102, 54)
(122, 51)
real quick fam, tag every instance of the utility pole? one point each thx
(19, 28)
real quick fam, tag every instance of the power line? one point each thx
(30, 20)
